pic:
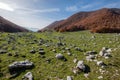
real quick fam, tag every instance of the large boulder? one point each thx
(16, 67)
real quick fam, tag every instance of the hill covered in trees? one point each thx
(106, 20)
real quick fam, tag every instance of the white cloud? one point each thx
(5, 6)
(113, 5)
(33, 11)
(26, 15)
(87, 6)
(27, 20)
(71, 8)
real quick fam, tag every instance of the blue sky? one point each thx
(36, 14)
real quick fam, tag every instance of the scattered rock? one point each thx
(76, 70)
(69, 78)
(59, 56)
(28, 76)
(86, 75)
(59, 44)
(67, 49)
(78, 49)
(102, 71)
(69, 53)
(101, 63)
(41, 51)
(9, 54)
(54, 50)
(17, 66)
(3, 51)
(48, 60)
(90, 57)
(100, 77)
(32, 51)
(105, 52)
(81, 65)
(75, 60)
(90, 53)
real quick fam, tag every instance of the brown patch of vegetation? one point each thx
(108, 19)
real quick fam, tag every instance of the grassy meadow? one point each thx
(47, 67)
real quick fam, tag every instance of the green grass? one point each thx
(58, 68)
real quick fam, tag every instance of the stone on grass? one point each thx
(69, 53)
(48, 60)
(105, 52)
(59, 56)
(101, 63)
(100, 77)
(59, 44)
(90, 57)
(19, 65)
(77, 49)
(86, 75)
(54, 50)
(3, 51)
(41, 51)
(28, 76)
(90, 53)
(32, 51)
(67, 48)
(69, 78)
(81, 65)
(76, 70)
(75, 60)
(102, 71)
(9, 54)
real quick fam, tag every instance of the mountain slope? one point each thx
(103, 20)
(51, 26)
(7, 26)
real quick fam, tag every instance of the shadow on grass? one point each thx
(17, 71)
(87, 69)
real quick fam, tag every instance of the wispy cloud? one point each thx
(26, 16)
(33, 11)
(113, 5)
(72, 8)
(87, 6)
(6, 7)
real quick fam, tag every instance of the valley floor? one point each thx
(18, 47)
